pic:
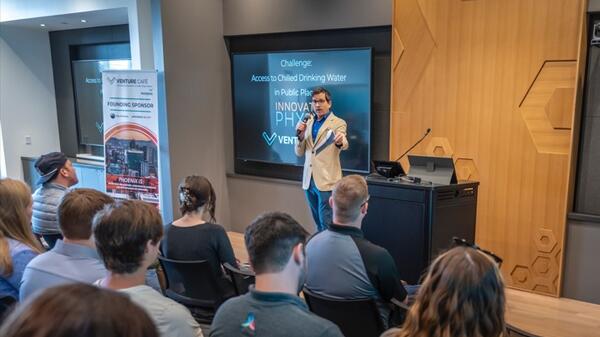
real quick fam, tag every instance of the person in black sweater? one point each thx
(192, 238)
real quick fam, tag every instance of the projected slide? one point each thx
(272, 92)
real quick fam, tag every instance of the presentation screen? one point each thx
(87, 83)
(272, 92)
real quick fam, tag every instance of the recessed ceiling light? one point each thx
(83, 20)
(42, 25)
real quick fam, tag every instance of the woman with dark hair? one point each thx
(192, 238)
(78, 310)
(18, 245)
(462, 296)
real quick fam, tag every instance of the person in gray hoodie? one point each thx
(57, 175)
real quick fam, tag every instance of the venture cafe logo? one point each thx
(113, 79)
(270, 139)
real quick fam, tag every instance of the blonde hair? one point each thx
(348, 195)
(462, 296)
(15, 198)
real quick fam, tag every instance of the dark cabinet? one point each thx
(415, 222)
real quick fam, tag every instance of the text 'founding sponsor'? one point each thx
(146, 105)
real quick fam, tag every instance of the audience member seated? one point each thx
(192, 238)
(73, 259)
(275, 244)
(78, 310)
(18, 245)
(345, 265)
(57, 174)
(127, 236)
(462, 295)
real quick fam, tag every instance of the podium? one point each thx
(416, 221)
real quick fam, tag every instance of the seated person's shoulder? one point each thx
(167, 310)
(373, 248)
(22, 254)
(317, 236)
(54, 193)
(40, 260)
(235, 301)
(235, 312)
(232, 305)
(231, 312)
(178, 321)
(374, 254)
(215, 227)
(327, 327)
(175, 312)
(310, 323)
(381, 252)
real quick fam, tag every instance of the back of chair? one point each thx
(191, 283)
(241, 279)
(356, 318)
(512, 331)
(6, 305)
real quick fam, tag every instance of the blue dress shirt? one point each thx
(65, 263)
(317, 123)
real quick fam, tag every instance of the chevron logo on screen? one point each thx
(269, 139)
(285, 140)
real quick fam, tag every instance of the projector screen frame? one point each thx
(288, 171)
(77, 94)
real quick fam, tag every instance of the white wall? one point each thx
(140, 30)
(27, 102)
(140, 34)
(27, 105)
(11, 10)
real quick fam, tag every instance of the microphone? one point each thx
(305, 119)
(417, 143)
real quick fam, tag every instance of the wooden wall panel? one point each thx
(496, 81)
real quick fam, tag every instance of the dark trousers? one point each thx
(318, 201)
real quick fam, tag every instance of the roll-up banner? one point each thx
(131, 134)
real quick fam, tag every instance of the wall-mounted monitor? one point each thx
(272, 92)
(87, 86)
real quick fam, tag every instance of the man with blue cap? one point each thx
(57, 174)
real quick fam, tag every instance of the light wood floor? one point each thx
(239, 246)
(539, 315)
(551, 317)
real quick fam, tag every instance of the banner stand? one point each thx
(131, 155)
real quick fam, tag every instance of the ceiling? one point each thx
(107, 17)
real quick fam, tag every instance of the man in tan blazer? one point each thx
(320, 141)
